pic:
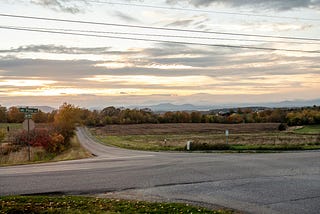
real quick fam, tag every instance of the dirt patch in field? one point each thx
(183, 128)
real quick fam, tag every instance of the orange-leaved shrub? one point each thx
(57, 143)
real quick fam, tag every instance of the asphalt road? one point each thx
(252, 183)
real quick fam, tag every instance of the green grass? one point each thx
(142, 142)
(258, 148)
(12, 126)
(282, 147)
(311, 129)
(78, 204)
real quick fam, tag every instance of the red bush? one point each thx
(41, 138)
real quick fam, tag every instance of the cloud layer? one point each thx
(262, 4)
(74, 7)
(87, 70)
(163, 73)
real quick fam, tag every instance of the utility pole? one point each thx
(28, 138)
(28, 124)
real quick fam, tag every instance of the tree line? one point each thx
(57, 127)
(113, 115)
(53, 134)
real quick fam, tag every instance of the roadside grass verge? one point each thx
(144, 142)
(278, 141)
(80, 204)
(39, 155)
(76, 151)
(258, 148)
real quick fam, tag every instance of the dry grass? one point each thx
(175, 136)
(39, 155)
(21, 156)
(75, 152)
(184, 128)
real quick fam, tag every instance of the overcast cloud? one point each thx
(180, 60)
(52, 68)
(262, 4)
(68, 6)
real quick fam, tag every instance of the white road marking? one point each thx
(61, 166)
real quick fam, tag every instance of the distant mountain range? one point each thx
(189, 107)
(163, 107)
(173, 107)
(45, 109)
(297, 103)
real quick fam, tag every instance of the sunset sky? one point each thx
(97, 68)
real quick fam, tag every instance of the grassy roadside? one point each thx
(262, 148)
(138, 143)
(272, 141)
(39, 155)
(79, 204)
(76, 151)
(143, 142)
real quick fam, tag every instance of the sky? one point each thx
(201, 52)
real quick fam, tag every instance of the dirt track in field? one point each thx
(183, 128)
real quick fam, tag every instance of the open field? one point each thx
(78, 204)
(185, 128)
(311, 129)
(12, 126)
(159, 137)
(4, 134)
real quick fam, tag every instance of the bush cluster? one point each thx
(197, 146)
(51, 141)
(282, 127)
(6, 149)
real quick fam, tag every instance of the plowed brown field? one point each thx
(158, 137)
(184, 128)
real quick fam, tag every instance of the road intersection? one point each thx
(252, 183)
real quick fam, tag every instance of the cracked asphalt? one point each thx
(251, 183)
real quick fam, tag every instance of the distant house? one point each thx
(224, 113)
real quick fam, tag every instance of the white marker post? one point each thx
(189, 145)
(227, 134)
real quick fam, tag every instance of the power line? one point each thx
(203, 11)
(156, 28)
(166, 35)
(165, 41)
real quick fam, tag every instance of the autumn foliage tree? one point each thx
(56, 143)
(3, 114)
(304, 117)
(14, 115)
(40, 117)
(66, 119)
(55, 139)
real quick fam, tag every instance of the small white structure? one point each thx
(189, 145)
